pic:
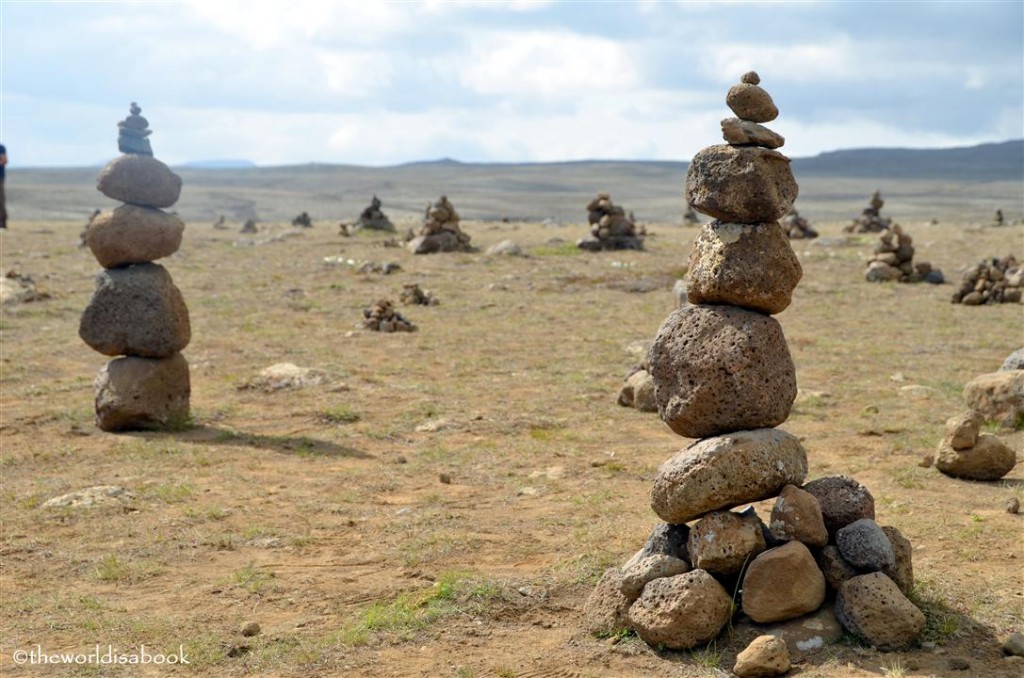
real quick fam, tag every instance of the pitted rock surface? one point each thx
(743, 132)
(726, 471)
(843, 500)
(142, 393)
(874, 609)
(797, 516)
(750, 102)
(718, 369)
(139, 180)
(903, 571)
(864, 545)
(721, 542)
(640, 573)
(136, 311)
(747, 265)
(741, 184)
(133, 235)
(989, 459)
(782, 583)
(835, 569)
(681, 612)
(607, 608)
(665, 539)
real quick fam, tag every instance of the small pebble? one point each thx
(927, 461)
(445, 478)
(250, 629)
(1013, 505)
(401, 459)
(958, 664)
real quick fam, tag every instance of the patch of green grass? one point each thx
(893, 669)
(112, 568)
(708, 657)
(252, 578)
(909, 478)
(942, 624)
(338, 415)
(169, 493)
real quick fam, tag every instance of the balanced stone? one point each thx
(864, 545)
(962, 430)
(998, 397)
(988, 459)
(133, 235)
(742, 184)
(743, 133)
(139, 180)
(142, 393)
(665, 539)
(721, 542)
(782, 583)
(136, 311)
(719, 368)
(747, 265)
(834, 567)
(873, 608)
(726, 471)
(796, 516)
(681, 612)
(132, 133)
(843, 500)
(751, 102)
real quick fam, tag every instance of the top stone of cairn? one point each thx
(749, 102)
(132, 133)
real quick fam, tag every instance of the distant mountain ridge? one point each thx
(228, 163)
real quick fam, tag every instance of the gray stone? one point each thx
(766, 656)
(607, 609)
(90, 497)
(665, 539)
(1014, 645)
(136, 311)
(505, 248)
(443, 241)
(879, 271)
(722, 542)
(989, 459)
(962, 430)
(741, 184)
(843, 500)
(751, 102)
(727, 471)
(143, 393)
(797, 516)
(748, 265)
(998, 397)
(681, 612)
(864, 545)
(782, 583)
(719, 368)
(903, 571)
(743, 132)
(282, 376)
(133, 235)
(645, 570)
(872, 608)
(139, 180)
(1014, 361)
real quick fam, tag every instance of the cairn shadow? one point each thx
(300, 446)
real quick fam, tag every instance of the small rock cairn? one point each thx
(221, 223)
(610, 228)
(136, 311)
(303, 220)
(796, 227)
(991, 281)
(871, 219)
(894, 260)
(382, 317)
(440, 231)
(965, 452)
(723, 374)
(249, 226)
(638, 389)
(414, 296)
(373, 218)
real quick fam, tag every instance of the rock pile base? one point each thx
(610, 228)
(440, 231)
(373, 218)
(303, 220)
(991, 281)
(382, 317)
(893, 260)
(412, 295)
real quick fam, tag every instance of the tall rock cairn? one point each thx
(723, 374)
(136, 312)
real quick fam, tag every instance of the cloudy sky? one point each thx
(371, 82)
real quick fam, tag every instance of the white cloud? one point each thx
(808, 62)
(355, 73)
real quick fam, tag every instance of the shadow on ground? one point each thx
(297, 445)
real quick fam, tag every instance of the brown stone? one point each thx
(681, 612)
(139, 180)
(721, 542)
(872, 607)
(834, 567)
(751, 102)
(989, 459)
(782, 583)
(796, 516)
(607, 608)
(743, 132)
(962, 430)
(766, 656)
(636, 575)
(133, 235)
(998, 397)
(718, 369)
(726, 471)
(143, 393)
(903, 571)
(741, 184)
(810, 633)
(748, 265)
(843, 500)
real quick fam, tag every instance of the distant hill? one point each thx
(986, 162)
(219, 164)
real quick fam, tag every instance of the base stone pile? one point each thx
(992, 281)
(722, 373)
(136, 311)
(382, 317)
(893, 260)
(303, 220)
(871, 219)
(413, 295)
(440, 231)
(373, 218)
(610, 228)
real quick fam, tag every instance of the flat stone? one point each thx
(607, 609)
(640, 573)
(681, 612)
(782, 583)
(743, 132)
(766, 656)
(506, 248)
(796, 516)
(143, 393)
(718, 369)
(133, 235)
(741, 184)
(989, 459)
(727, 471)
(872, 608)
(443, 241)
(286, 376)
(962, 430)
(721, 542)
(751, 102)
(139, 180)
(747, 265)
(998, 397)
(843, 500)
(90, 497)
(810, 633)
(864, 545)
(903, 571)
(136, 311)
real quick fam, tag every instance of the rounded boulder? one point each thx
(140, 180)
(989, 459)
(133, 235)
(872, 607)
(142, 393)
(681, 612)
(741, 184)
(782, 583)
(843, 500)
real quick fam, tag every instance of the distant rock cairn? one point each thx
(991, 281)
(894, 260)
(610, 228)
(373, 218)
(797, 227)
(440, 231)
(871, 219)
(723, 374)
(136, 311)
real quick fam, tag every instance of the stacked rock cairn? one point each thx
(638, 389)
(136, 311)
(382, 317)
(373, 218)
(991, 281)
(610, 228)
(797, 227)
(413, 295)
(966, 452)
(440, 231)
(303, 220)
(871, 219)
(723, 374)
(893, 259)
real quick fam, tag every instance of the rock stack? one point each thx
(723, 373)
(871, 219)
(136, 311)
(249, 226)
(965, 452)
(893, 259)
(373, 218)
(991, 281)
(638, 389)
(382, 317)
(796, 227)
(303, 220)
(414, 296)
(610, 228)
(440, 231)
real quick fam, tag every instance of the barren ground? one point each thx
(320, 514)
